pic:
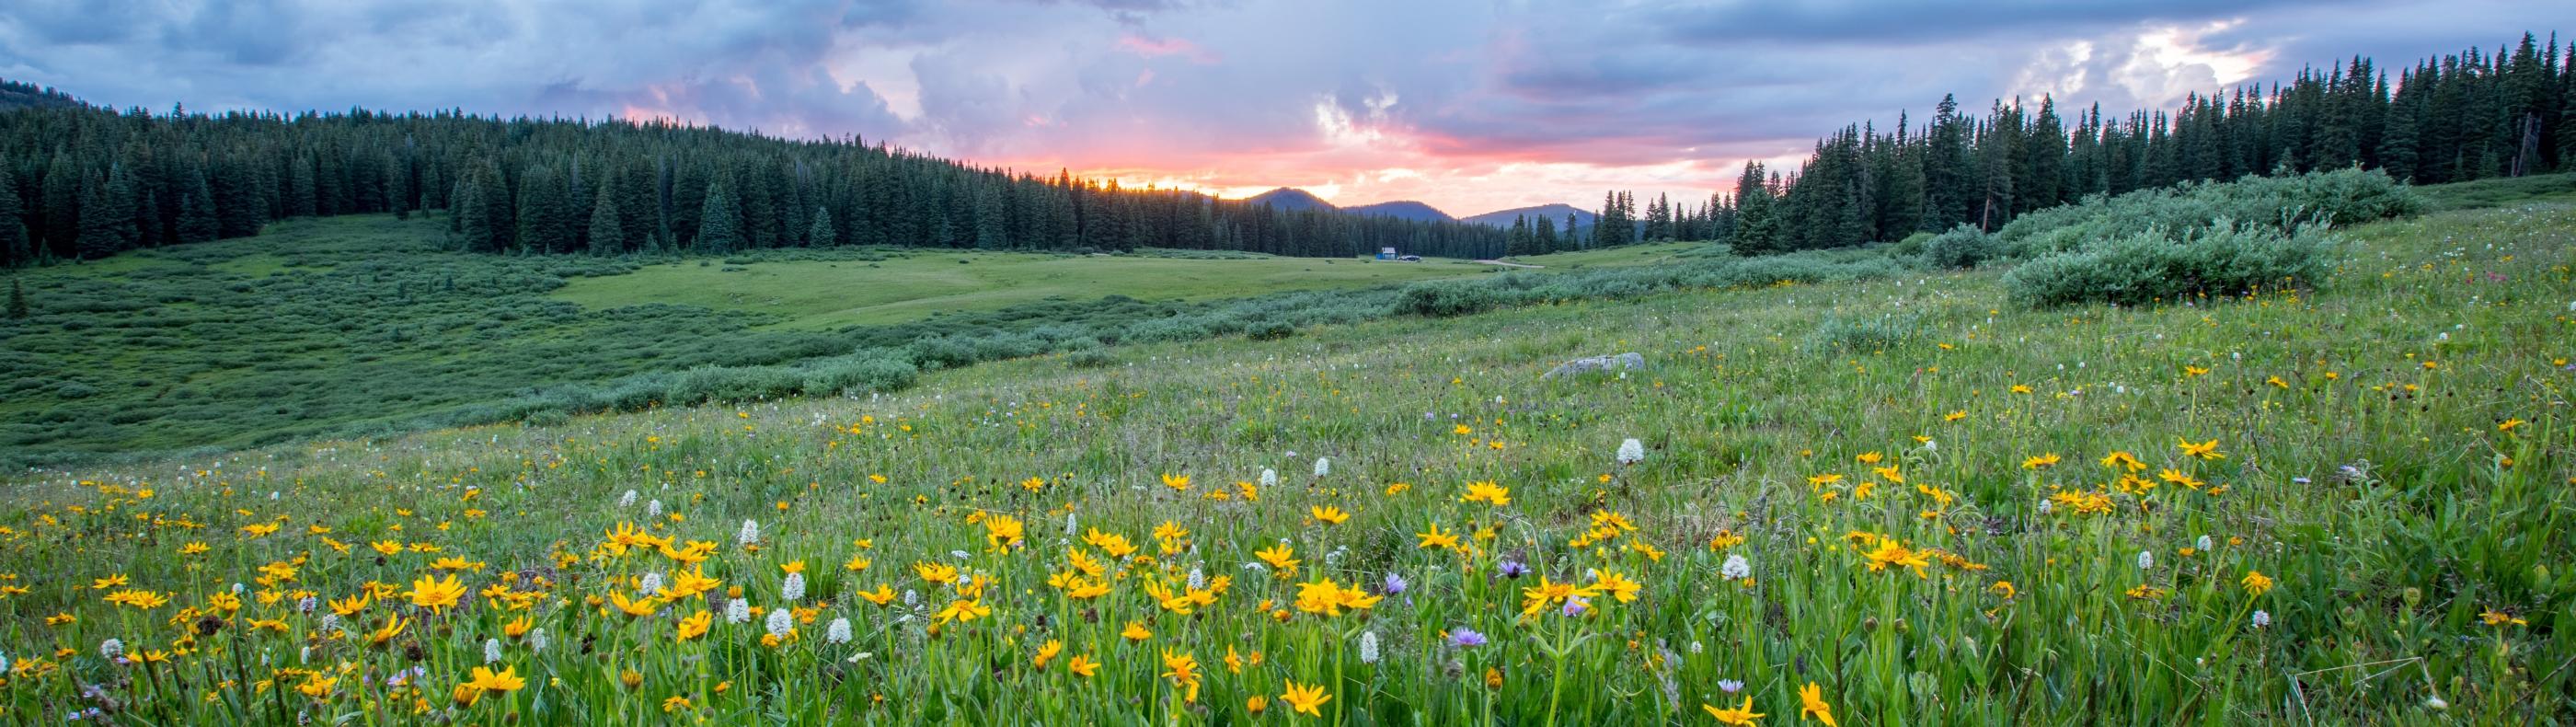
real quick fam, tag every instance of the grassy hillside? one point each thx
(367, 324)
(1922, 502)
(908, 285)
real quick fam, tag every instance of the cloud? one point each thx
(1468, 104)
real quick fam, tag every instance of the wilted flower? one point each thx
(794, 589)
(627, 500)
(1632, 452)
(2146, 559)
(1269, 478)
(781, 622)
(1736, 567)
(750, 533)
(1368, 647)
(2262, 618)
(491, 650)
(537, 640)
(110, 649)
(653, 510)
(1323, 466)
(838, 632)
(737, 611)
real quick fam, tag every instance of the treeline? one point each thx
(79, 182)
(2473, 115)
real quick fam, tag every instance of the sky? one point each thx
(1470, 106)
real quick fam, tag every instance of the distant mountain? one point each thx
(1403, 209)
(15, 95)
(1553, 212)
(1290, 198)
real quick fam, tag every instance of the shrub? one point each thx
(1443, 298)
(874, 373)
(1961, 248)
(2155, 266)
(1268, 330)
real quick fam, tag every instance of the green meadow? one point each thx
(1894, 499)
(909, 285)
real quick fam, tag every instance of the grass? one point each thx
(2501, 191)
(827, 294)
(1643, 254)
(1928, 532)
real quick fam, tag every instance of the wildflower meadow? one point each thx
(1889, 501)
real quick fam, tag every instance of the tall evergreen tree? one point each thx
(720, 226)
(16, 246)
(17, 299)
(607, 234)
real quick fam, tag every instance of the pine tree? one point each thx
(545, 215)
(820, 233)
(17, 298)
(720, 226)
(197, 221)
(16, 247)
(107, 216)
(607, 235)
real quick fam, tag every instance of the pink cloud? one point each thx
(1160, 47)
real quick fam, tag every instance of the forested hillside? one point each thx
(88, 182)
(2473, 115)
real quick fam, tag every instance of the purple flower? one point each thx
(1575, 606)
(1463, 637)
(1514, 569)
(1731, 686)
(1394, 584)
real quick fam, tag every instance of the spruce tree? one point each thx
(197, 221)
(545, 215)
(17, 300)
(107, 216)
(720, 224)
(607, 228)
(820, 233)
(15, 246)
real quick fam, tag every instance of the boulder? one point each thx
(1630, 360)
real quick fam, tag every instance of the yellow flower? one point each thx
(1082, 665)
(694, 626)
(1488, 493)
(2256, 583)
(857, 563)
(436, 595)
(1329, 514)
(1890, 553)
(1436, 539)
(2037, 462)
(964, 611)
(1617, 585)
(1047, 653)
(1743, 716)
(1136, 631)
(1811, 703)
(316, 686)
(675, 704)
(1178, 483)
(1279, 556)
(2509, 425)
(393, 627)
(884, 594)
(1305, 699)
(506, 680)
(2205, 450)
(114, 581)
(1183, 670)
(937, 573)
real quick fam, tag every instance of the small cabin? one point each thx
(1386, 253)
